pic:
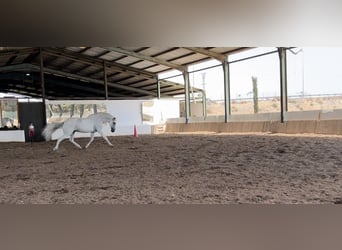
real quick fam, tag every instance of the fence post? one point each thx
(255, 94)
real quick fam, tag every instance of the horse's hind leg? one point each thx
(91, 139)
(60, 139)
(73, 141)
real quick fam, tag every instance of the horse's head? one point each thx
(112, 124)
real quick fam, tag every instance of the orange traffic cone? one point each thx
(135, 131)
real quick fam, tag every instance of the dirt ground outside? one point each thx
(175, 169)
(270, 105)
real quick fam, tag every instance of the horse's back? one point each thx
(101, 116)
(70, 125)
(71, 121)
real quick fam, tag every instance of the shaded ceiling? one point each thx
(83, 72)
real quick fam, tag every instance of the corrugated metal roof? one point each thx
(78, 72)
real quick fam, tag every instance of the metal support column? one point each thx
(187, 95)
(105, 80)
(227, 109)
(283, 83)
(158, 89)
(42, 82)
(204, 104)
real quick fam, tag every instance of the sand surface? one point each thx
(175, 169)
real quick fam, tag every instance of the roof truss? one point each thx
(102, 67)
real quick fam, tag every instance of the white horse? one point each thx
(93, 123)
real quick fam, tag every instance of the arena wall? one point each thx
(12, 135)
(317, 122)
(129, 113)
(333, 127)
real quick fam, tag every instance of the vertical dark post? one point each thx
(1, 122)
(283, 83)
(227, 110)
(50, 110)
(158, 89)
(187, 95)
(42, 81)
(204, 104)
(72, 110)
(60, 110)
(105, 80)
(204, 98)
(255, 94)
(81, 110)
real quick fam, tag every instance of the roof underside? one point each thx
(79, 72)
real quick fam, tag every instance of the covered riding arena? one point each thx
(283, 157)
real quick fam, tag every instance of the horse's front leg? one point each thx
(105, 137)
(91, 139)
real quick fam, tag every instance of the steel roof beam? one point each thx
(75, 71)
(96, 62)
(111, 84)
(181, 56)
(68, 85)
(102, 54)
(87, 90)
(148, 58)
(26, 67)
(9, 62)
(17, 90)
(31, 57)
(19, 52)
(18, 67)
(84, 50)
(165, 51)
(96, 72)
(209, 53)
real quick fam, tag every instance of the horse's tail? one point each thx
(50, 128)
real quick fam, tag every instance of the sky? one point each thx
(313, 70)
